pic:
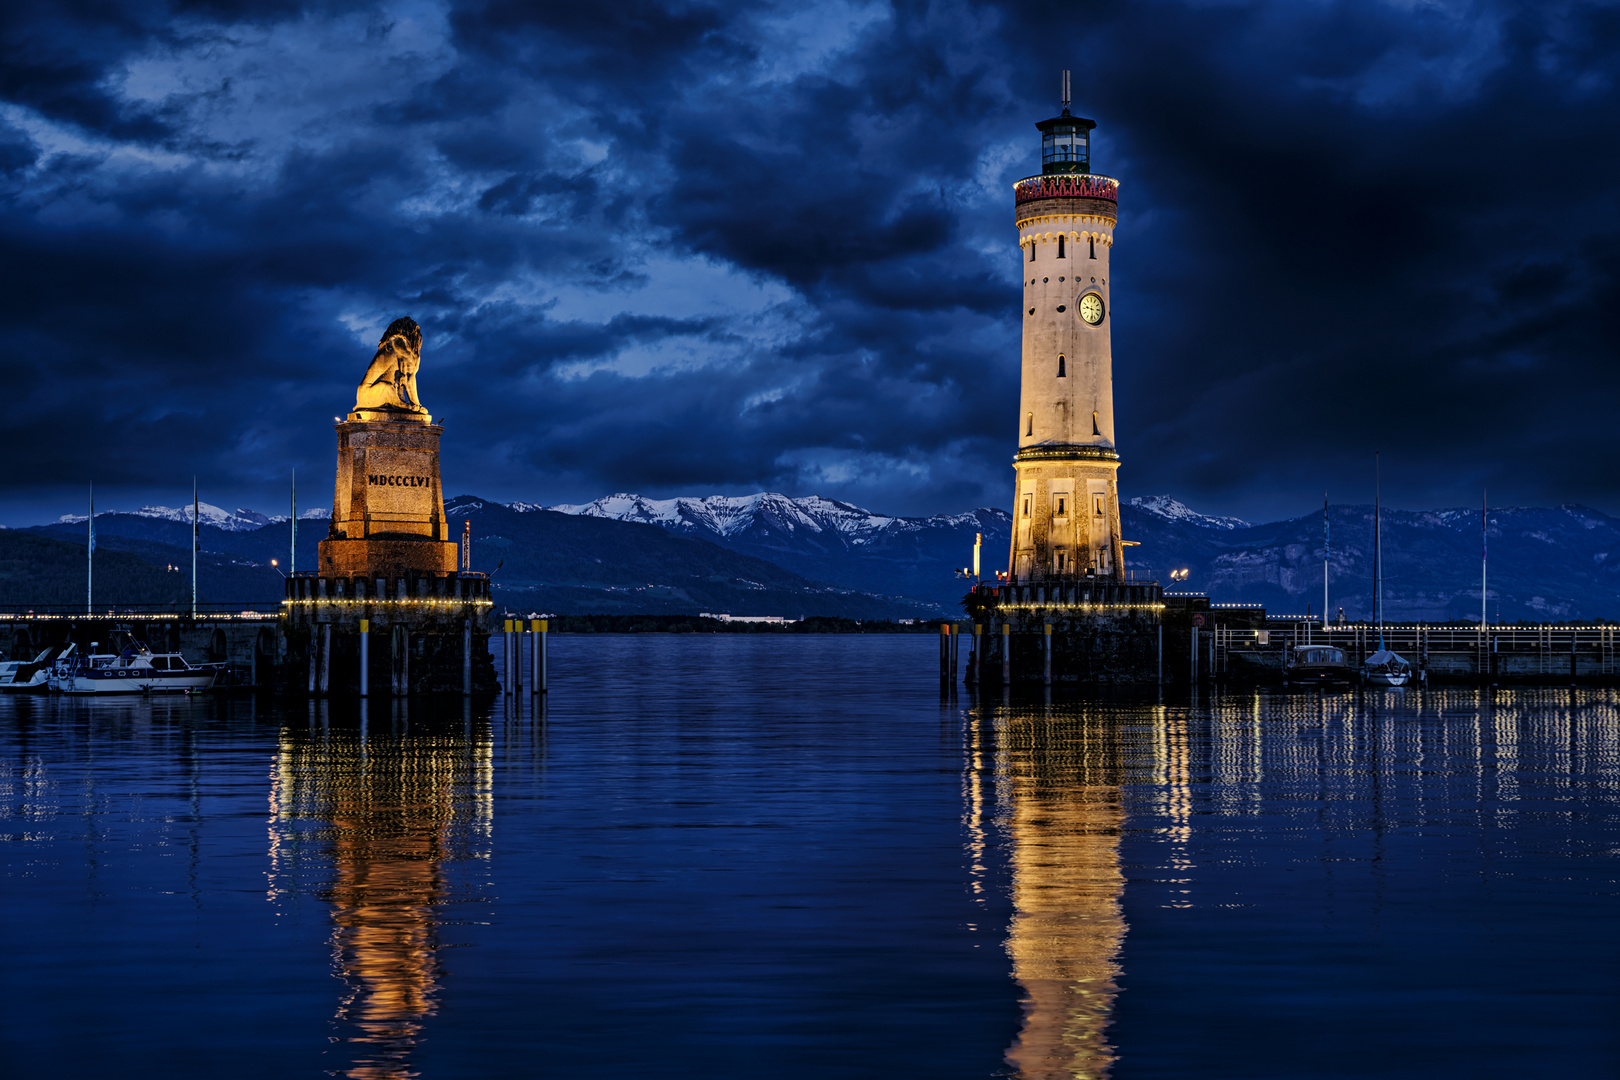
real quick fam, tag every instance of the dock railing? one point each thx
(1547, 645)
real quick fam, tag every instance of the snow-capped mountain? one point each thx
(243, 520)
(1172, 509)
(730, 516)
(822, 539)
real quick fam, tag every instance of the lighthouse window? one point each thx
(1098, 504)
(1060, 510)
(1029, 427)
(1026, 506)
(1060, 247)
(1095, 430)
(1093, 241)
(1060, 562)
(1032, 251)
(1060, 373)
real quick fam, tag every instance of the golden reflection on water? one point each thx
(367, 817)
(1057, 776)
(1344, 760)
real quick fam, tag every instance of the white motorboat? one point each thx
(137, 670)
(72, 660)
(30, 676)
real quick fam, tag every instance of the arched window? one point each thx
(1060, 374)
(1060, 245)
(1032, 251)
(1093, 241)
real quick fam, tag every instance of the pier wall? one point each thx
(423, 635)
(1545, 654)
(1098, 633)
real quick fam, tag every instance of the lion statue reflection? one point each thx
(390, 382)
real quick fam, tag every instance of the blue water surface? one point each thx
(787, 856)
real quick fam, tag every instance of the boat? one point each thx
(1383, 667)
(1319, 664)
(136, 670)
(72, 660)
(30, 676)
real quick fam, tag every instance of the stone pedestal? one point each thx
(388, 503)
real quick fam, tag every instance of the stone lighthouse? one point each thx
(1068, 612)
(1066, 506)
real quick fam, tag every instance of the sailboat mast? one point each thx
(292, 556)
(1484, 542)
(1378, 546)
(1327, 540)
(194, 505)
(90, 558)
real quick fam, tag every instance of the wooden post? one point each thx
(402, 661)
(1048, 654)
(365, 657)
(944, 653)
(466, 656)
(538, 656)
(517, 656)
(1006, 653)
(326, 658)
(1161, 654)
(956, 648)
(976, 659)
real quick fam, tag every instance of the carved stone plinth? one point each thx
(388, 504)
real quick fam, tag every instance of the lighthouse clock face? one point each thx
(1091, 308)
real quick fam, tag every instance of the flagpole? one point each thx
(90, 558)
(194, 505)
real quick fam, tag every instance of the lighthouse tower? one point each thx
(1066, 506)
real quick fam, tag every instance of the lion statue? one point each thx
(390, 382)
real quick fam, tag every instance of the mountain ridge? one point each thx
(1558, 563)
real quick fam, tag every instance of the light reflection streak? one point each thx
(370, 818)
(1058, 800)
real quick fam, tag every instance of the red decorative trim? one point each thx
(1066, 186)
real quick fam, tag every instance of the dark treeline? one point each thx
(44, 571)
(697, 624)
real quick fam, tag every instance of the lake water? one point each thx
(760, 856)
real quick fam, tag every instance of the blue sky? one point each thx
(718, 248)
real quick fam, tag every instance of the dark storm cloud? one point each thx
(686, 248)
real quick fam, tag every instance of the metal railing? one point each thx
(1066, 186)
(1416, 641)
(216, 610)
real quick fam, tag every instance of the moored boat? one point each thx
(1384, 668)
(136, 670)
(1320, 664)
(30, 676)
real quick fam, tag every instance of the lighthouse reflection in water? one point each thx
(367, 815)
(1046, 780)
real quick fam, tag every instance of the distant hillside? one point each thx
(562, 562)
(538, 562)
(827, 540)
(1557, 564)
(770, 555)
(39, 570)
